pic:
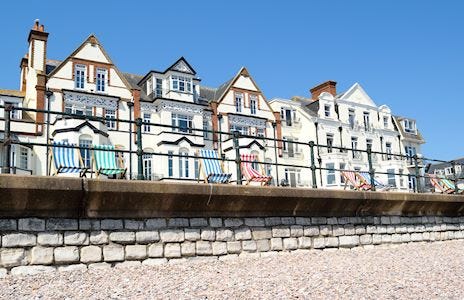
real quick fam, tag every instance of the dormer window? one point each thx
(181, 83)
(238, 102)
(409, 126)
(327, 110)
(101, 80)
(79, 76)
(385, 122)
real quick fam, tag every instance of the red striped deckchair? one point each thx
(356, 180)
(250, 174)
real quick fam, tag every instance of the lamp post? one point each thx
(130, 105)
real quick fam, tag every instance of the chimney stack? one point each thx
(328, 86)
(37, 47)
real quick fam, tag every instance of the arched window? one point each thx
(148, 164)
(183, 163)
(85, 141)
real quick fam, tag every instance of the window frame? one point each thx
(101, 75)
(80, 72)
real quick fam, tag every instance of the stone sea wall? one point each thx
(33, 245)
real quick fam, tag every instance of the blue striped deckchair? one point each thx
(105, 161)
(212, 169)
(378, 185)
(65, 159)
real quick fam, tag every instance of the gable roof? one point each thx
(56, 65)
(181, 65)
(351, 90)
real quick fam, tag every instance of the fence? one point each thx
(417, 163)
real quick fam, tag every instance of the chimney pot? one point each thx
(36, 24)
(42, 28)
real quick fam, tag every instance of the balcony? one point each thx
(296, 123)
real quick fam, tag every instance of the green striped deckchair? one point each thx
(450, 185)
(106, 162)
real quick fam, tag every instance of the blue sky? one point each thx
(406, 54)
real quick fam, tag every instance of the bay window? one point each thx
(181, 83)
(182, 123)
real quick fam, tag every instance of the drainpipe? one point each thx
(340, 129)
(319, 159)
(130, 105)
(48, 93)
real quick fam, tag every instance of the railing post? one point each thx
(313, 164)
(455, 177)
(238, 160)
(7, 140)
(274, 124)
(417, 175)
(138, 124)
(371, 169)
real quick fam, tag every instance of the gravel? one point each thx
(408, 271)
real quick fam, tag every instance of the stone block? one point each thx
(66, 254)
(280, 231)
(61, 224)
(122, 237)
(421, 228)
(254, 222)
(367, 220)
(192, 234)
(89, 224)
(376, 239)
(325, 230)
(111, 224)
(208, 234)
(76, 238)
(136, 252)
(360, 229)
(272, 221)
(42, 256)
(355, 220)
(50, 238)
(416, 237)
(234, 247)
(13, 257)
(31, 270)
(113, 253)
(287, 220)
(318, 243)
(262, 245)
(311, 230)
(261, 233)
(318, 220)
(395, 220)
(381, 229)
(338, 230)
(134, 224)
(386, 239)
(396, 238)
(332, 221)
(365, 239)
(8, 225)
(349, 229)
(296, 231)
(406, 238)
(198, 222)
(188, 249)
(401, 228)
(242, 233)
(276, 244)
(99, 266)
(154, 261)
(391, 229)
(385, 220)
(91, 254)
(304, 242)
(371, 229)
(215, 222)
(343, 220)
(348, 241)
(156, 223)
(204, 248)
(98, 237)
(249, 246)
(178, 222)
(219, 248)
(228, 257)
(18, 240)
(73, 268)
(147, 237)
(233, 222)
(31, 224)
(303, 221)
(331, 242)
(172, 235)
(224, 234)
(290, 243)
(426, 236)
(156, 250)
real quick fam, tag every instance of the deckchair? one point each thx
(355, 180)
(106, 162)
(437, 184)
(250, 174)
(450, 185)
(378, 185)
(65, 159)
(211, 167)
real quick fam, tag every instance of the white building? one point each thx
(88, 83)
